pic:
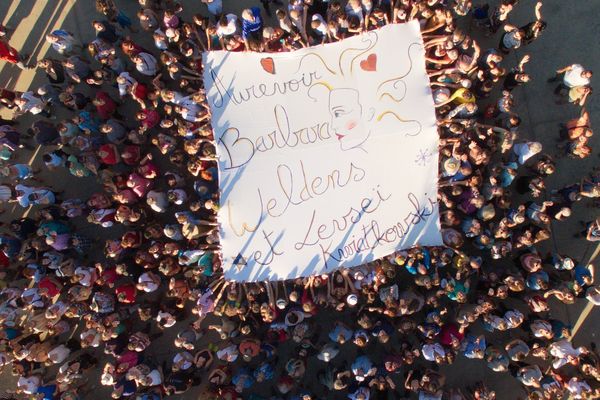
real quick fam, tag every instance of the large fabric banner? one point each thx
(328, 156)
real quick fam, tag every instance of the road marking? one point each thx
(34, 155)
(27, 212)
(595, 254)
(582, 317)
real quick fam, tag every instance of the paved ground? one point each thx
(572, 36)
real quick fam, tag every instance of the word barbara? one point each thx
(240, 150)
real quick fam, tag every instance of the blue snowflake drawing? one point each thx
(423, 157)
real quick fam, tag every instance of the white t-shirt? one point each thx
(525, 151)
(573, 77)
(231, 28)
(577, 388)
(286, 24)
(430, 351)
(29, 385)
(322, 28)
(34, 104)
(184, 358)
(229, 353)
(149, 285)
(59, 354)
(88, 277)
(155, 378)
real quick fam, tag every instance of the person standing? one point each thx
(9, 54)
(215, 7)
(252, 25)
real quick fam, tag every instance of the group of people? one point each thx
(71, 305)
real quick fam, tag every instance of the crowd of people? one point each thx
(377, 331)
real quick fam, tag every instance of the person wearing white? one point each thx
(59, 354)
(28, 102)
(433, 351)
(230, 28)
(575, 75)
(182, 361)
(145, 64)
(148, 282)
(579, 389)
(525, 151)
(29, 384)
(564, 352)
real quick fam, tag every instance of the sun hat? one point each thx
(294, 317)
(328, 352)
(352, 299)
(281, 303)
(488, 212)
(451, 166)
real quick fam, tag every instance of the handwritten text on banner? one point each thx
(327, 155)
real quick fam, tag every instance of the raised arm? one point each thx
(538, 10)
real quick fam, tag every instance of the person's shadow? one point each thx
(23, 10)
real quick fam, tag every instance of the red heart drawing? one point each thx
(268, 65)
(370, 64)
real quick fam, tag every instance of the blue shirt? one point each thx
(249, 27)
(580, 273)
(473, 344)
(532, 280)
(47, 391)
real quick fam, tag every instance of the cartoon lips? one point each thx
(340, 136)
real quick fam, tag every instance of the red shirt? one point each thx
(7, 53)
(139, 91)
(131, 155)
(109, 276)
(129, 291)
(149, 170)
(139, 184)
(152, 118)
(53, 288)
(129, 358)
(4, 260)
(448, 332)
(108, 108)
(108, 154)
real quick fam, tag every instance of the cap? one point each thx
(328, 352)
(281, 303)
(294, 317)
(451, 166)
(352, 299)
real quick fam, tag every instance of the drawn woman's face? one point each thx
(346, 118)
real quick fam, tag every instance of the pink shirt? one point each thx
(139, 184)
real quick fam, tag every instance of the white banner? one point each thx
(328, 156)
